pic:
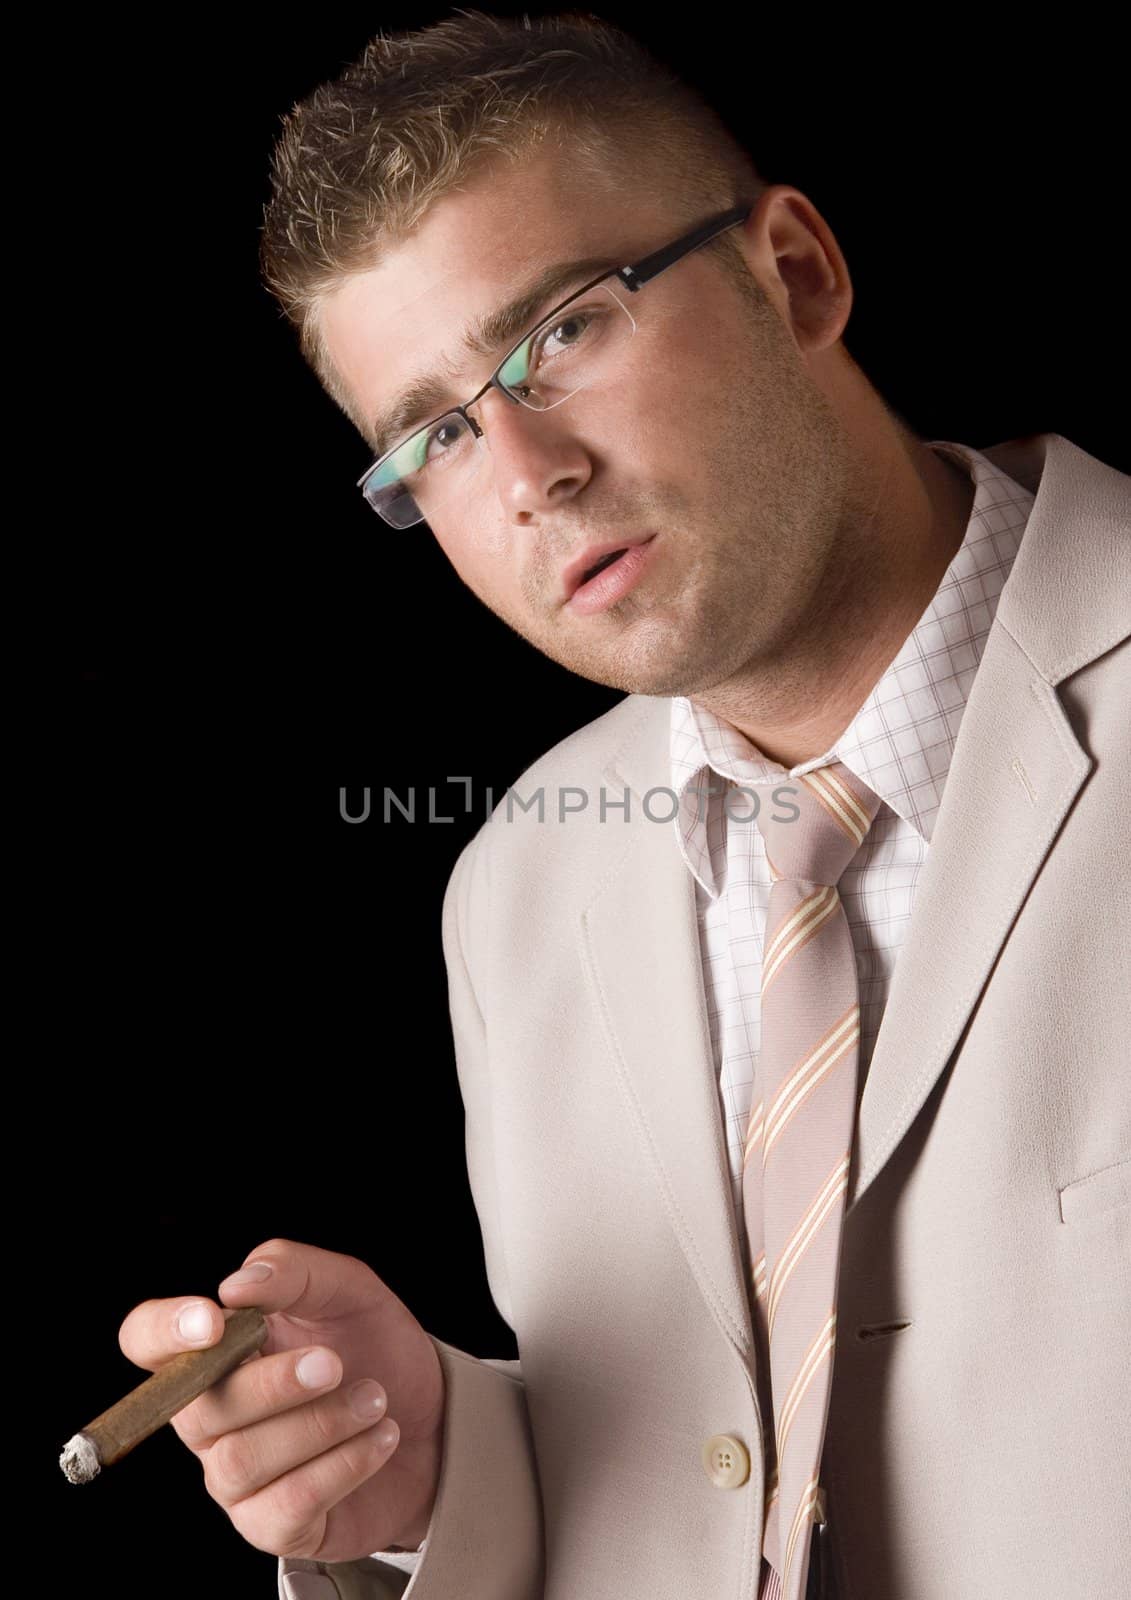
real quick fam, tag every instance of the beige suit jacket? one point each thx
(979, 1435)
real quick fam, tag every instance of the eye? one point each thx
(566, 334)
(446, 435)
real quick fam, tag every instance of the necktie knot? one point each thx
(814, 831)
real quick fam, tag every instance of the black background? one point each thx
(248, 1032)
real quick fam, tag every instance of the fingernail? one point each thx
(194, 1324)
(316, 1369)
(367, 1399)
(254, 1272)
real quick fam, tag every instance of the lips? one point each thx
(605, 561)
(616, 578)
(596, 557)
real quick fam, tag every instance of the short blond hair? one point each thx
(362, 158)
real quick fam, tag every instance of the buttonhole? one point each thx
(880, 1330)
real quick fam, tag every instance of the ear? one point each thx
(793, 253)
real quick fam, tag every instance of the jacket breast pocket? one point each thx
(1098, 1192)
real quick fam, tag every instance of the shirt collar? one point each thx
(901, 740)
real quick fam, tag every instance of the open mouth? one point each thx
(599, 566)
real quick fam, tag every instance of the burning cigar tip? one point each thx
(79, 1460)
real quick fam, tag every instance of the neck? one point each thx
(795, 707)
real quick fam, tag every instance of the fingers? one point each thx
(304, 1281)
(260, 1389)
(246, 1460)
(288, 1517)
(281, 1275)
(157, 1330)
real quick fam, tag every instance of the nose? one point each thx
(535, 458)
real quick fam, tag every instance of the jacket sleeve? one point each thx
(484, 1540)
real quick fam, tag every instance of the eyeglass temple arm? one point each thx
(635, 277)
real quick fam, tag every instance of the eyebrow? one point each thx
(425, 395)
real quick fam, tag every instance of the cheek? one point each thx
(479, 561)
(671, 406)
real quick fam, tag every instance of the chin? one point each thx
(660, 681)
(648, 661)
(660, 671)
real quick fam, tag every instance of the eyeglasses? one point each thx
(578, 345)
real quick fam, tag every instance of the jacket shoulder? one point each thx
(571, 784)
(583, 755)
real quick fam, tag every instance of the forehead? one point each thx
(384, 327)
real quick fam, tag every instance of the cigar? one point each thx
(148, 1407)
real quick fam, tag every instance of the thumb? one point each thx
(303, 1281)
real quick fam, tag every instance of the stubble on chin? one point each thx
(673, 646)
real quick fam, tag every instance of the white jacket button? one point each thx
(726, 1461)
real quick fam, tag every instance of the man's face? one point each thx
(716, 436)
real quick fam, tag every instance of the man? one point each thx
(564, 364)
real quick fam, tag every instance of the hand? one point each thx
(310, 1471)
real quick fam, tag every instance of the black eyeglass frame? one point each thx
(632, 278)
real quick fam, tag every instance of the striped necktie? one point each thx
(799, 1143)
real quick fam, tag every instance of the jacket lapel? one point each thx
(640, 947)
(1016, 770)
(1014, 774)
